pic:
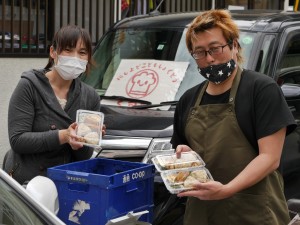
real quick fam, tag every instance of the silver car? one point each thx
(18, 207)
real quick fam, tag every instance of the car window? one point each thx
(264, 57)
(290, 61)
(13, 210)
(246, 41)
(159, 44)
(291, 56)
(288, 74)
(192, 76)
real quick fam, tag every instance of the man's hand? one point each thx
(182, 148)
(211, 190)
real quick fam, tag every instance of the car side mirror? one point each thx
(290, 91)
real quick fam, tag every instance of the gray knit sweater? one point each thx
(34, 119)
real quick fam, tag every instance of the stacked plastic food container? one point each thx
(89, 127)
(181, 174)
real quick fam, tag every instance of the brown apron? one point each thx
(213, 132)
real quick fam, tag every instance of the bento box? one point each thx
(170, 161)
(181, 174)
(183, 180)
(89, 127)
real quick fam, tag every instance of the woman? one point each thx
(42, 109)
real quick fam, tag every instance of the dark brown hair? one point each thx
(67, 37)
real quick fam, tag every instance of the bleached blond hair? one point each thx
(212, 19)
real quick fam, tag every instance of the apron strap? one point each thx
(235, 84)
(201, 92)
(233, 90)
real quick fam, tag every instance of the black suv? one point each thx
(138, 129)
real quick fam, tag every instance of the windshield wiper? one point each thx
(116, 97)
(155, 105)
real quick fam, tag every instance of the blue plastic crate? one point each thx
(97, 190)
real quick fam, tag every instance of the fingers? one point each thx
(201, 191)
(73, 125)
(188, 194)
(73, 138)
(182, 148)
(211, 190)
(103, 129)
(72, 130)
(75, 145)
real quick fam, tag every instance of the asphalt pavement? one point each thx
(10, 72)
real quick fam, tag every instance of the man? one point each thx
(237, 122)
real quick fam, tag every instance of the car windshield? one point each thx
(145, 43)
(159, 44)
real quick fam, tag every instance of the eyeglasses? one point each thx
(212, 51)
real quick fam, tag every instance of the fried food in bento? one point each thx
(190, 182)
(92, 119)
(200, 175)
(178, 165)
(181, 176)
(195, 177)
(187, 179)
(92, 138)
(83, 129)
(169, 162)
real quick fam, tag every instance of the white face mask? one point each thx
(69, 67)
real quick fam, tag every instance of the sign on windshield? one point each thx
(150, 80)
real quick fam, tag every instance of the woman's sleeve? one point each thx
(21, 114)
(96, 104)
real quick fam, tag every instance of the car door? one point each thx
(288, 77)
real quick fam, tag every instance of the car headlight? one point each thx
(158, 146)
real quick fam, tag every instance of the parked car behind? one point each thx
(7, 39)
(137, 130)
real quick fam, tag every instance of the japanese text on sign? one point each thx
(151, 80)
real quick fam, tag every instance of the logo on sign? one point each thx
(134, 176)
(142, 83)
(138, 175)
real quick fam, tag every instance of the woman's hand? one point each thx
(211, 190)
(69, 136)
(73, 138)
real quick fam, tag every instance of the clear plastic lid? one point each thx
(183, 180)
(170, 161)
(89, 127)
